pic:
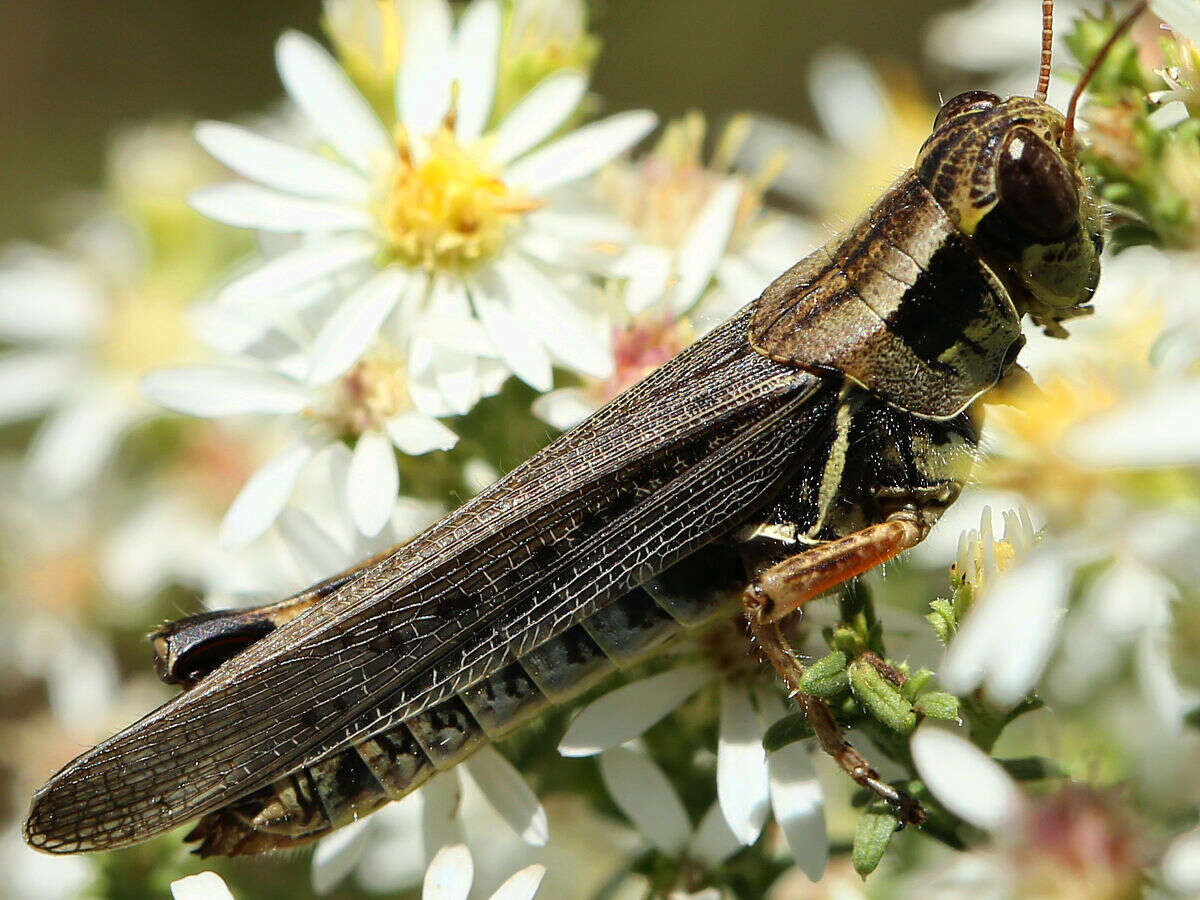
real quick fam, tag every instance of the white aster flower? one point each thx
(749, 782)
(871, 130)
(443, 210)
(452, 872)
(202, 886)
(704, 245)
(1019, 600)
(79, 343)
(384, 402)
(1181, 864)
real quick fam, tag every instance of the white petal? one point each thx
(46, 296)
(450, 874)
(299, 267)
(373, 482)
(1181, 862)
(317, 553)
(476, 49)
(553, 317)
(704, 244)
(522, 885)
(423, 80)
(250, 206)
(648, 270)
(742, 784)
(639, 787)
(31, 382)
(441, 798)
(414, 433)
(509, 795)
(1143, 432)
(457, 380)
(337, 855)
(317, 84)
(76, 441)
(263, 497)
(204, 886)
(799, 807)
(1028, 603)
(580, 153)
(280, 166)
(1181, 15)
(519, 351)
(714, 842)
(540, 113)
(216, 391)
(849, 99)
(625, 713)
(965, 779)
(564, 408)
(356, 323)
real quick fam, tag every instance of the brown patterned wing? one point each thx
(900, 304)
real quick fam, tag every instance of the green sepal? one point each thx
(1032, 768)
(915, 683)
(943, 619)
(848, 641)
(938, 705)
(826, 678)
(874, 831)
(786, 731)
(881, 698)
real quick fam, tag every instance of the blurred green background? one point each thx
(71, 71)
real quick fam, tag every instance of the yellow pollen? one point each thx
(451, 210)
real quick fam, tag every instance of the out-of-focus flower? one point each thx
(872, 132)
(384, 403)
(1000, 38)
(704, 245)
(1076, 842)
(26, 874)
(446, 222)
(452, 872)
(203, 886)
(749, 781)
(1181, 864)
(543, 37)
(83, 322)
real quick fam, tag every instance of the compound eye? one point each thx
(1036, 188)
(968, 101)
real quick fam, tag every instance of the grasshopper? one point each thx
(818, 433)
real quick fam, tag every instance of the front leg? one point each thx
(788, 585)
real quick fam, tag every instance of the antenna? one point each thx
(1043, 82)
(1068, 138)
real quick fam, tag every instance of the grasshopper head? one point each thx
(999, 169)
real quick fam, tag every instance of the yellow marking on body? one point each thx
(835, 463)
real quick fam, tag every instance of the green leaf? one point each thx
(826, 678)
(881, 698)
(786, 731)
(938, 705)
(916, 683)
(874, 832)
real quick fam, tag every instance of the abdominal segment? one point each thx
(315, 800)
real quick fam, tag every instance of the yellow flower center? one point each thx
(450, 210)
